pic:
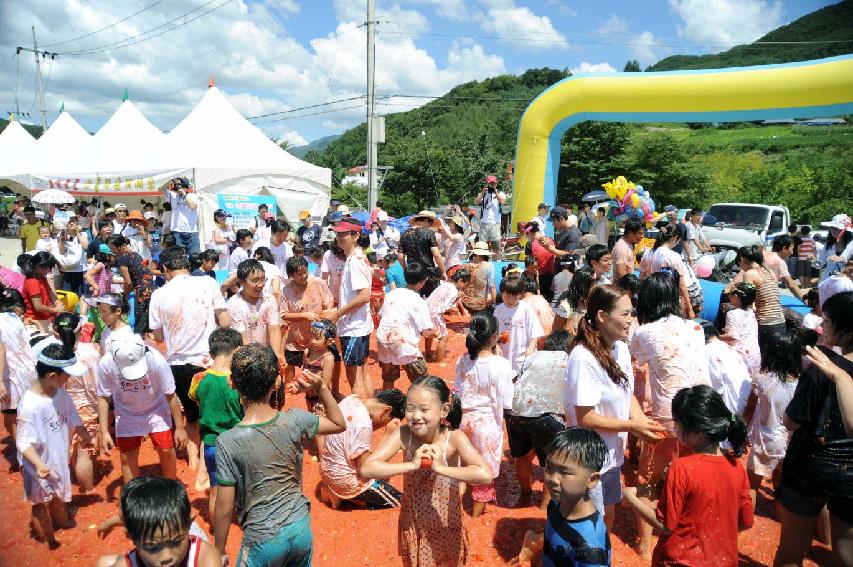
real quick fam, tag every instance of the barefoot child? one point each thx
(344, 454)
(219, 405)
(445, 297)
(575, 533)
(741, 330)
(705, 501)
(519, 327)
(255, 315)
(156, 514)
(45, 414)
(17, 360)
(437, 457)
(273, 512)
(484, 385)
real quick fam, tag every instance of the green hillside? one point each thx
(832, 25)
(317, 145)
(35, 131)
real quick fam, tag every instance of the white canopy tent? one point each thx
(16, 149)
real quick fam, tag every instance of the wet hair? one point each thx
(248, 267)
(372, 258)
(56, 352)
(667, 233)
(781, 242)
(695, 211)
(169, 240)
(630, 283)
(805, 229)
(751, 254)
(242, 234)
(279, 225)
(295, 264)
(65, 324)
(315, 252)
(530, 285)
(415, 273)
(657, 298)
(529, 261)
(224, 341)
(40, 259)
(150, 503)
(482, 328)
(208, 255)
(602, 298)
(117, 240)
(103, 257)
(298, 250)
(263, 254)
(445, 395)
(393, 398)
(782, 354)
(812, 298)
(581, 283)
(254, 371)
(596, 252)
(838, 309)
(10, 300)
(29, 209)
(579, 445)
(120, 299)
(363, 240)
(710, 330)
(746, 292)
(175, 258)
(103, 223)
(512, 285)
(330, 331)
(634, 225)
(166, 206)
(22, 260)
(460, 275)
(558, 341)
(337, 250)
(700, 409)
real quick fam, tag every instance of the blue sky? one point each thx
(284, 55)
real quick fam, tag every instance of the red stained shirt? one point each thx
(544, 259)
(705, 499)
(37, 287)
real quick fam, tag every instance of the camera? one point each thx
(491, 188)
(179, 183)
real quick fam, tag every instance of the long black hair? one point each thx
(657, 298)
(603, 298)
(751, 254)
(667, 233)
(700, 409)
(445, 395)
(582, 282)
(483, 327)
(65, 324)
(782, 354)
(40, 259)
(10, 300)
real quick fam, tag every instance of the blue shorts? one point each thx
(354, 350)
(210, 462)
(608, 491)
(292, 546)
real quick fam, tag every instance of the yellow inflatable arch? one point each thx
(793, 90)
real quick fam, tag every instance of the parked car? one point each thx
(745, 224)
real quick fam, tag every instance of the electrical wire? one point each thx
(105, 27)
(307, 115)
(305, 107)
(127, 42)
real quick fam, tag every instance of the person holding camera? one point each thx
(490, 222)
(184, 218)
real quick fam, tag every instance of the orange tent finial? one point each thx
(212, 82)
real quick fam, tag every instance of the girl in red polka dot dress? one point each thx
(437, 458)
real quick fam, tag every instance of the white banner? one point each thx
(130, 184)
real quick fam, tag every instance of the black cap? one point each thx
(559, 212)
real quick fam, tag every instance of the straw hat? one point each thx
(428, 215)
(481, 249)
(457, 220)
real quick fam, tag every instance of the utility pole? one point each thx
(372, 172)
(37, 53)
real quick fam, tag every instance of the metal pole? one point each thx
(41, 88)
(371, 106)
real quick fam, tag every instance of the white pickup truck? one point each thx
(745, 224)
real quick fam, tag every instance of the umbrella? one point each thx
(599, 206)
(594, 196)
(54, 197)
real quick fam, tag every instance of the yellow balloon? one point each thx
(635, 200)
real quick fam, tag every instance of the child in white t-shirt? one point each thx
(45, 414)
(45, 242)
(444, 298)
(518, 324)
(728, 372)
(241, 251)
(254, 314)
(405, 318)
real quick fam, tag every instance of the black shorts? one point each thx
(183, 374)
(526, 433)
(380, 495)
(354, 350)
(140, 315)
(801, 499)
(294, 357)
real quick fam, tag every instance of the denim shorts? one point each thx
(608, 491)
(354, 350)
(210, 463)
(292, 546)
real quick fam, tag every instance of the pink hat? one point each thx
(491, 179)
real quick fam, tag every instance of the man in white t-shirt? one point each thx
(182, 314)
(278, 244)
(384, 237)
(142, 389)
(353, 312)
(542, 217)
(490, 222)
(184, 222)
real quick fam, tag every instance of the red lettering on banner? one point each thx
(50, 182)
(76, 181)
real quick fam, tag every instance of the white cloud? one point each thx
(451, 9)
(289, 6)
(293, 138)
(725, 23)
(563, 8)
(585, 67)
(509, 21)
(643, 46)
(613, 27)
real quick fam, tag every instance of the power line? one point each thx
(311, 114)
(107, 26)
(118, 44)
(305, 107)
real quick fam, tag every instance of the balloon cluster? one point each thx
(628, 201)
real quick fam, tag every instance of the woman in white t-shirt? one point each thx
(599, 391)
(222, 237)
(663, 256)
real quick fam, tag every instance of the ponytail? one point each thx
(445, 395)
(483, 327)
(603, 298)
(65, 324)
(700, 409)
(667, 233)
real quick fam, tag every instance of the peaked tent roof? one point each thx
(129, 142)
(64, 147)
(214, 136)
(17, 147)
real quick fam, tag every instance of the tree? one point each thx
(632, 66)
(588, 157)
(663, 166)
